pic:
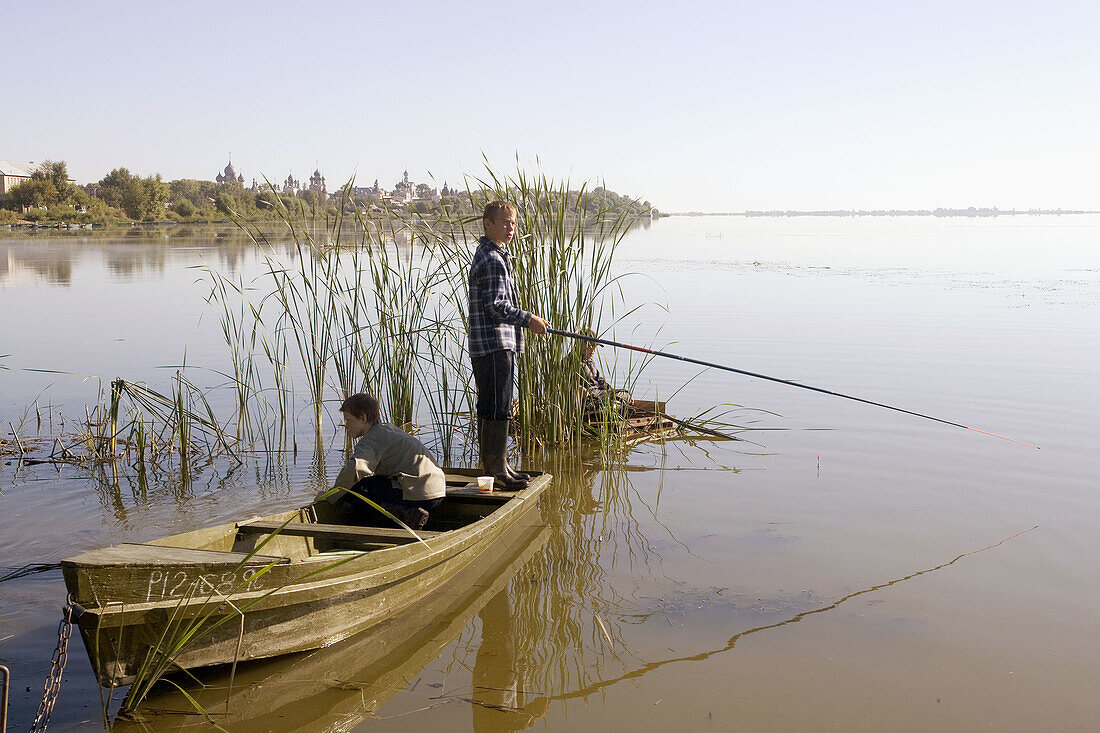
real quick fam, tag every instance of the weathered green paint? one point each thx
(311, 692)
(304, 593)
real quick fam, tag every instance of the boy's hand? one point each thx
(537, 325)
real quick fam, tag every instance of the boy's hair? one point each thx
(364, 407)
(494, 209)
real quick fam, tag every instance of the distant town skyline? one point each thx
(706, 106)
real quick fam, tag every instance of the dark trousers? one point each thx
(381, 489)
(493, 376)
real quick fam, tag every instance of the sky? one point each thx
(694, 106)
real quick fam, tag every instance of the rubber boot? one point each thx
(513, 473)
(494, 455)
(481, 452)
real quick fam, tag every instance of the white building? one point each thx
(12, 174)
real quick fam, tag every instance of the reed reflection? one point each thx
(566, 619)
(182, 501)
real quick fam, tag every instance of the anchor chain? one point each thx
(52, 685)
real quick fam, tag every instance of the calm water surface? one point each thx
(832, 575)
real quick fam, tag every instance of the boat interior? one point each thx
(351, 524)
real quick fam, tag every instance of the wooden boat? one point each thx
(646, 420)
(337, 687)
(282, 583)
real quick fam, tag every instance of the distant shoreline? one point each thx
(972, 212)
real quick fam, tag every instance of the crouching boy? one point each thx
(387, 465)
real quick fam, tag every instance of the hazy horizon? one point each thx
(714, 107)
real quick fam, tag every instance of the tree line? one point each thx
(122, 197)
(119, 197)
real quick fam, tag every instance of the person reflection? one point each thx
(587, 503)
(500, 701)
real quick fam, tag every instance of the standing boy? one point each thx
(496, 335)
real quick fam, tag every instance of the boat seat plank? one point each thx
(132, 554)
(470, 492)
(344, 532)
(469, 478)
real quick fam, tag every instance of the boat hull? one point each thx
(227, 594)
(324, 690)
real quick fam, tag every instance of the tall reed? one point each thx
(378, 303)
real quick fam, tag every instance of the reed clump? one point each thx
(146, 429)
(377, 303)
(349, 300)
(562, 262)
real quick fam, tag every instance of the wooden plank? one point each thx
(463, 476)
(648, 406)
(134, 554)
(344, 532)
(470, 491)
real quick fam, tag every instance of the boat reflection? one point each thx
(568, 628)
(340, 686)
(547, 610)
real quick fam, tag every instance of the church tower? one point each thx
(230, 174)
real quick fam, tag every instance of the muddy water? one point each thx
(851, 568)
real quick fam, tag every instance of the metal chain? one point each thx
(52, 686)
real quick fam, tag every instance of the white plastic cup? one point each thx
(485, 484)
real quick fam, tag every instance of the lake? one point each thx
(850, 568)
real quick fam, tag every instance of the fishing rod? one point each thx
(712, 365)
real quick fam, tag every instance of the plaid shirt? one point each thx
(496, 323)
